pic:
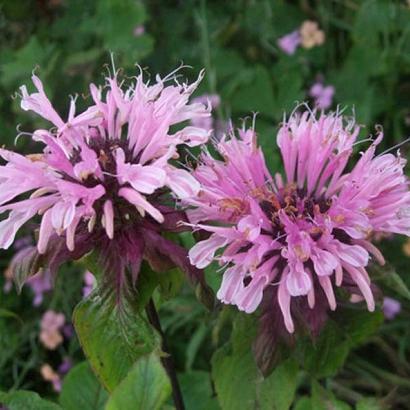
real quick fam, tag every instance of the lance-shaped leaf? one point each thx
(145, 387)
(81, 390)
(387, 276)
(113, 332)
(238, 381)
(27, 400)
(25, 263)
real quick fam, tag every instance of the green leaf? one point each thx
(278, 390)
(26, 264)
(359, 324)
(81, 390)
(197, 391)
(288, 82)
(113, 334)
(250, 390)
(25, 59)
(387, 276)
(304, 403)
(324, 399)
(170, 283)
(26, 400)
(325, 357)
(254, 92)
(369, 403)
(9, 314)
(116, 21)
(146, 387)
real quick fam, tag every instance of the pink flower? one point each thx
(291, 240)
(105, 175)
(391, 308)
(322, 95)
(51, 324)
(139, 30)
(50, 375)
(40, 283)
(289, 42)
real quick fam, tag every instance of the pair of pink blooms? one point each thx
(108, 179)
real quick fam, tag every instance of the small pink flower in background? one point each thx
(311, 35)
(322, 95)
(288, 241)
(68, 330)
(308, 35)
(40, 283)
(289, 42)
(51, 325)
(391, 308)
(89, 283)
(139, 30)
(65, 366)
(50, 375)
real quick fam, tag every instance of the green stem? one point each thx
(167, 361)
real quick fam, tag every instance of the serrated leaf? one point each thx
(82, 390)
(145, 387)
(113, 334)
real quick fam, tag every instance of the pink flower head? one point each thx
(323, 96)
(289, 42)
(290, 240)
(105, 177)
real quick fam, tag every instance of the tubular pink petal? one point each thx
(182, 183)
(363, 286)
(327, 287)
(139, 201)
(284, 303)
(203, 252)
(109, 218)
(46, 229)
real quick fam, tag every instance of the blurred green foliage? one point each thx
(365, 56)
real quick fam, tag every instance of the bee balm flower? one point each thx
(105, 178)
(296, 238)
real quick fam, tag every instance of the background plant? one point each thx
(360, 360)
